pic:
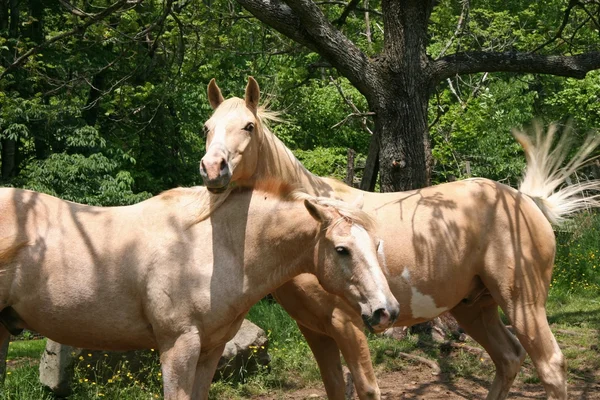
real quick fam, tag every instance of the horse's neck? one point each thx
(281, 246)
(278, 162)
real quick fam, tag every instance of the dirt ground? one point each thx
(419, 383)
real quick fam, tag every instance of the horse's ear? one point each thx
(317, 211)
(215, 98)
(359, 202)
(252, 94)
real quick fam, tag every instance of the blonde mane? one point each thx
(204, 203)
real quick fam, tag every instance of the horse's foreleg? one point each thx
(205, 370)
(178, 358)
(327, 354)
(330, 325)
(348, 332)
(482, 322)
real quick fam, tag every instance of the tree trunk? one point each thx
(9, 146)
(3, 15)
(401, 97)
(9, 157)
(401, 124)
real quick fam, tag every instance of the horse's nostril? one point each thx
(223, 164)
(381, 316)
(202, 166)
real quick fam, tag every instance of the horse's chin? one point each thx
(217, 190)
(368, 325)
(373, 329)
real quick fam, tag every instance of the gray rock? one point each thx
(246, 353)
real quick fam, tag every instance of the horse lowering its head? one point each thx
(230, 133)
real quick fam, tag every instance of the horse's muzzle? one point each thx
(380, 319)
(215, 173)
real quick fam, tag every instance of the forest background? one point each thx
(104, 102)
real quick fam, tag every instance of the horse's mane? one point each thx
(205, 203)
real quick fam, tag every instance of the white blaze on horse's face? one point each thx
(231, 146)
(229, 142)
(347, 265)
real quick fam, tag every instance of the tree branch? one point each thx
(572, 3)
(78, 29)
(459, 26)
(576, 66)
(304, 22)
(331, 43)
(347, 10)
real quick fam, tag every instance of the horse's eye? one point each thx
(205, 129)
(249, 127)
(343, 251)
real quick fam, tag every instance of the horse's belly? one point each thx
(96, 328)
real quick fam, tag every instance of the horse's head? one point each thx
(347, 264)
(231, 146)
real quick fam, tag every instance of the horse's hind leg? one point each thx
(482, 322)
(531, 326)
(522, 295)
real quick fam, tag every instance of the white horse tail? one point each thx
(547, 172)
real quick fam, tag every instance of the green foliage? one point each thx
(94, 180)
(578, 256)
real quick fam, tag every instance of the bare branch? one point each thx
(459, 27)
(78, 29)
(331, 43)
(347, 10)
(576, 66)
(160, 21)
(74, 10)
(455, 93)
(364, 9)
(356, 112)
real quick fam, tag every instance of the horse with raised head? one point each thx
(177, 272)
(466, 247)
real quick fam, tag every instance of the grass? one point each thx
(574, 317)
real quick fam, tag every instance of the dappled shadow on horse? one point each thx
(179, 271)
(466, 247)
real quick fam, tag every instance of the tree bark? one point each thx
(401, 98)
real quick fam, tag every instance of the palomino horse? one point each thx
(466, 247)
(174, 272)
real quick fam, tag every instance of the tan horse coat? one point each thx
(467, 247)
(175, 272)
